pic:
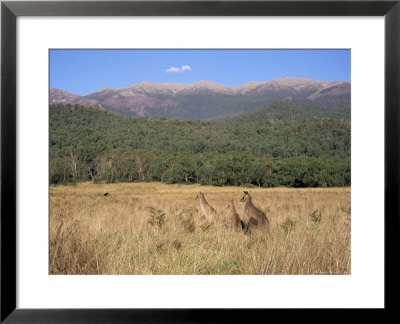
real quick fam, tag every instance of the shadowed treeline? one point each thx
(88, 144)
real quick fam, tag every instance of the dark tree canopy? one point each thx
(88, 144)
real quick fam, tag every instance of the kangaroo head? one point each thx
(245, 197)
(229, 204)
(199, 196)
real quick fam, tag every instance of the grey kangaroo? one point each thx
(254, 215)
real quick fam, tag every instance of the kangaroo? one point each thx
(234, 219)
(206, 210)
(236, 223)
(254, 215)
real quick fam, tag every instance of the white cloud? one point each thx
(173, 69)
(182, 69)
(185, 68)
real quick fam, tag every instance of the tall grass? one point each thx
(152, 228)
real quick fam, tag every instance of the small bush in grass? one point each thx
(157, 217)
(187, 220)
(288, 225)
(177, 244)
(189, 225)
(161, 245)
(316, 217)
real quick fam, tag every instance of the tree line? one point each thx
(88, 144)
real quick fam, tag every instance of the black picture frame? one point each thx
(10, 10)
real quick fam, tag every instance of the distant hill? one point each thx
(291, 111)
(88, 144)
(209, 100)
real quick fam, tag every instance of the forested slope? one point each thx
(292, 111)
(88, 144)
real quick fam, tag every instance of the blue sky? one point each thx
(86, 71)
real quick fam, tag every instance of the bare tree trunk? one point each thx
(73, 164)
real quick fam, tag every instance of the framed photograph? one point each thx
(197, 161)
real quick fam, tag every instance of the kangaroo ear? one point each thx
(246, 192)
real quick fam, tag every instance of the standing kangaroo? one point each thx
(254, 215)
(206, 210)
(234, 219)
(235, 222)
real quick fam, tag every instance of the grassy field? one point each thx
(152, 228)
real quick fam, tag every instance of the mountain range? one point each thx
(209, 100)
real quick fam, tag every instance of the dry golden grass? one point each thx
(152, 228)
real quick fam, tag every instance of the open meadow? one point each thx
(155, 228)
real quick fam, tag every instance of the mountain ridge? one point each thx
(208, 99)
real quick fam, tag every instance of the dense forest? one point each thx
(89, 144)
(292, 111)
